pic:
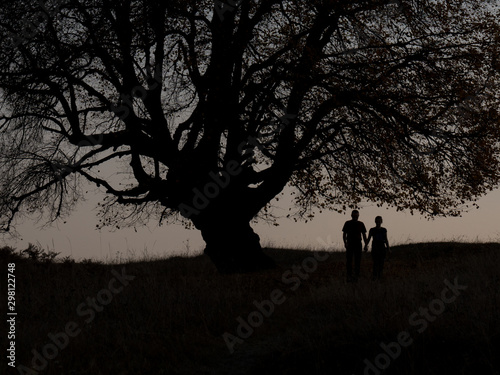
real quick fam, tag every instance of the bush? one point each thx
(37, 254)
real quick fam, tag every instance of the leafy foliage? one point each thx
(391, 101)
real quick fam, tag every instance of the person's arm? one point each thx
(363, 232)
(387, 242)
(367, 241)
(345, 229)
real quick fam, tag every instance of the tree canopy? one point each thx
(205, 111)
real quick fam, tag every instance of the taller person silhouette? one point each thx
(353, 231)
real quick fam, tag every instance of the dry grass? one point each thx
(170, 319)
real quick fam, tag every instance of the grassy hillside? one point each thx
(179, 316)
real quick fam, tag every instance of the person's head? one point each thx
(355, 215)
(378, 220)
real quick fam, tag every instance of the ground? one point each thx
(435, 312)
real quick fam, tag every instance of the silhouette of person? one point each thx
(353, 230)
(380, 246)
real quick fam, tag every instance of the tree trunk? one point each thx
(233, 246)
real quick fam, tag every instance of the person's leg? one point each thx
(349, 255)
(379, 267)
(357, 261)
(381, 263)
(375, 264)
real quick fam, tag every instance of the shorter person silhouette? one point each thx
(380, 246)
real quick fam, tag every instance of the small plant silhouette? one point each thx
(37, 254)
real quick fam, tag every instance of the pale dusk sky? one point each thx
(79, 238)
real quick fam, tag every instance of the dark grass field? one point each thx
(179, 316)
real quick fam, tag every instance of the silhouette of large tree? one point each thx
(208, 110)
